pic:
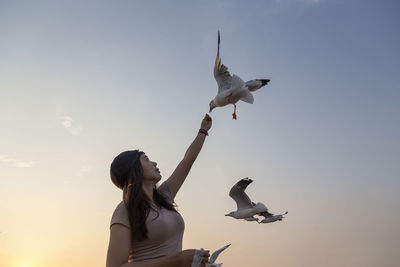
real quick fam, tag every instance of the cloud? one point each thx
(69, 124)
(84, 170)
(81, 173)
(15, 162)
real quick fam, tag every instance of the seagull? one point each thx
(246, 209)
(231, 89)
(214, 256)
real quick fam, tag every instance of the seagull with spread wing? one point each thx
(214, 256)
(231, 89)
(246, 209)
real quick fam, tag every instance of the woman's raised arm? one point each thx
(182, 170)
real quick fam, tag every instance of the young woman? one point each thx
(146, 230)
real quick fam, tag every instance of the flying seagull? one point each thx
(231, 89)
(214, 256)
(246, 209)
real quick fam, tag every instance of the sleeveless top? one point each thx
(165, 230)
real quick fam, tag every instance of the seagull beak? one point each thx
(210, 109)
(226, 214)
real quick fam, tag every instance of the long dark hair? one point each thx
(127, 173)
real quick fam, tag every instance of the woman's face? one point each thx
(150, 170)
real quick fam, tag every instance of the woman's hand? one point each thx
(206, 122)
(195, 257)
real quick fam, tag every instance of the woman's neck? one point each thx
(148, 190)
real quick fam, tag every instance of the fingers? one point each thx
(205, 256)
(204, 253)
(207, 117)
(200, 257)
(206, 122)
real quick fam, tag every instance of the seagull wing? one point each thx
(266, 214)
(241, 198)
(221, 73)
(215, 255)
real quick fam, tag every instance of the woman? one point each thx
(146, 230)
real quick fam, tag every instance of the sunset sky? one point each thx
(81, 81)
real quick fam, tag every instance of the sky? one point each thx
(81, 81)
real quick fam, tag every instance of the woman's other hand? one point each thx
(195, 257)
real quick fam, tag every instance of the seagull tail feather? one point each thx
(256, 84)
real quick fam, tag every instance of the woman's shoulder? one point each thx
(120, 215)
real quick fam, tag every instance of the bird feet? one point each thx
(234, 113)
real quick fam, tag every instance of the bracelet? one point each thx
(205, 132)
